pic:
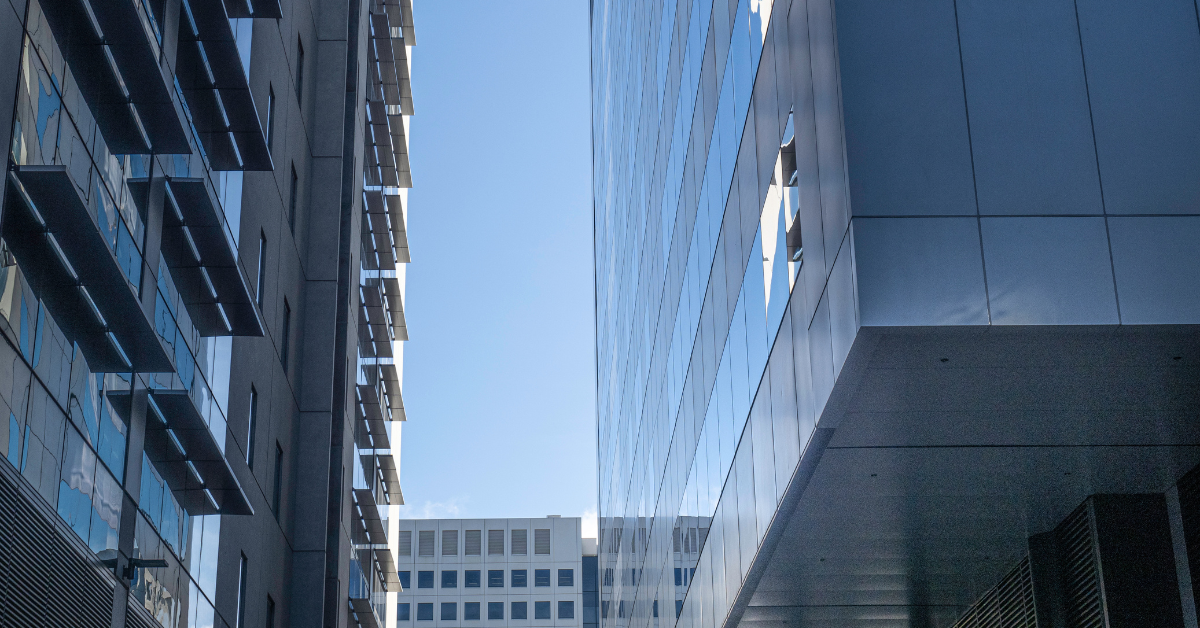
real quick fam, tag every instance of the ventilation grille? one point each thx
(1080, 572)
(520, 542)
(425, 543)
(46, 578)
(404, 542)
(474, 542)
(541, 542)
(449, 542)
(1008, 605)
(1189, 506)
(495, 542)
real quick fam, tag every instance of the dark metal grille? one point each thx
(1082, 596)
(46, 577)
(1008, 605)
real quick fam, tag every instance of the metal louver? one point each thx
(495, 542)
(541, 542)
(520, 542)
(425, 543)
(1083, 598)
(474, 542)
(449, 542)
(1008, 605)
(404, 543)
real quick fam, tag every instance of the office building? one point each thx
(491, 572)
(897, 312)
(202, 254)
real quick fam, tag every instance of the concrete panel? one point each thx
(906, 123)
(1143, 69)
(1031, 135)
(1049, 271)
(920, 271)
(1157, 261)
(329, 96)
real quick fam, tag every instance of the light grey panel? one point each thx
(827, 108)
(1049, 271)
(919, 271)
(1143, 69)
(1157, 264)
(843, 320)
(906, 124)
(1031, 136)
(820, 351)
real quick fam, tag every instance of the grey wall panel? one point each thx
(906, 123)
(1157, 265)
(843, 315)
(10, 53)
(919, 271)
(1049, 271)
(827, 107)
(1031, 136)
(1143, 69)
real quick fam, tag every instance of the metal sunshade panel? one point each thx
(364, 613)
(115, 63)
(187, 455)
(214, 84)
(268, 9)
(54, 225)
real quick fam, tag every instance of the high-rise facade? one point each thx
(897, 312)
(490, 572)
(203, 243)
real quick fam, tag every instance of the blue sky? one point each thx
(499, 370)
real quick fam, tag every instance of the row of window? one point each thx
(495, 578)
(473, 542)
(495, 610)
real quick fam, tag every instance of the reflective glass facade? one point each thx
(797, 218)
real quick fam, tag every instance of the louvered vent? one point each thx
(1008, 605)
(46, 577)
(1189, 506)
(520, 542)
(404, 542)
(449, 542)
(495, 542)
(474, 542)
(425, 543)
(541, 542)
(1080, 572)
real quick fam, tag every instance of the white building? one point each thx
(488, 572)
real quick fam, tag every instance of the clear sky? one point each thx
(499, 376)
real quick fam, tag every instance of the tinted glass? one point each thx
(450, 579)
(402, 611)
(471, 578)
(424, 579)
(405, 578)
(520, 578)
(471, 610)
(566, 609)
(495, 610)
(449, 611)
(520, 610)
(541, 577)
(541, 610)
(495, 577)
(425, 611)
(566, 577)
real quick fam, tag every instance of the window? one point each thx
(449, 611)
(471, 579)
(474, 540)
(608, 576)
(292, 200)
(566, 577)
(541, 610)
(404, 543)
(402, 611)
(425, 611)
(270, 612)
(405, 578)
(678, 608)
(299, 69)
(495, 610)
(424, 579)
(520, 610)
(678, 577)
(262, 267)
(450, 579)
(277, 489)
(520, 578)
(251, 424)
(449, 542)
(425, 543)
(541, 577)
(566, 609)
(243, 567)
(286, 340)
(270, 119)
(471, 611)
(541, 542)
(495, 542)
(495, 577)
(520, 542)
